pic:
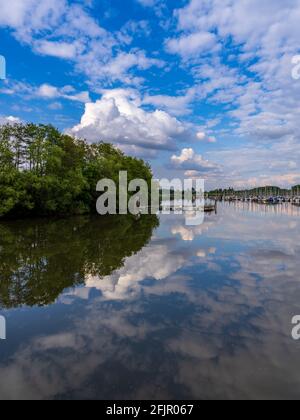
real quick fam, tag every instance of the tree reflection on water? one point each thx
(40, 259)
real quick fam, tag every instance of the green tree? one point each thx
(44, 172)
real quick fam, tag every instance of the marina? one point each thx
(266, 200)
(263, 195)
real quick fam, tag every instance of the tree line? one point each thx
(44, 172)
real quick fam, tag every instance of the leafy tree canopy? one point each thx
(44, 172)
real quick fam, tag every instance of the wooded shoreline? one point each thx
(46, 173)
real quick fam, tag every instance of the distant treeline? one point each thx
(261, 191)
(46, 173)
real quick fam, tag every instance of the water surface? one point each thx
(152, 309)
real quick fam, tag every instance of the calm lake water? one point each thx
(119, 309)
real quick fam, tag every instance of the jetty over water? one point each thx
(186, 207)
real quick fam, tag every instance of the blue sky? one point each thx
(200, 88)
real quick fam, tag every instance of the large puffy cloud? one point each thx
(119, 118)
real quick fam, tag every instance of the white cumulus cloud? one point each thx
(191, 162)
(119, 118)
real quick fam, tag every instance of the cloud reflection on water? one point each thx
(202, 318)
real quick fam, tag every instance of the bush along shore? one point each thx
(46, 173)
